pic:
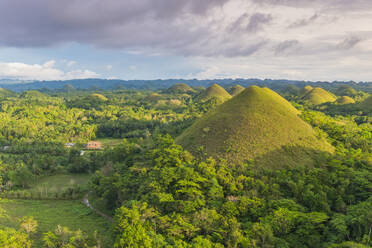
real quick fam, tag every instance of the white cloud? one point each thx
(108, 67)
(46, 71)
(132, 67)
(70, 63)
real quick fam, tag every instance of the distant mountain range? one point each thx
(107, 84)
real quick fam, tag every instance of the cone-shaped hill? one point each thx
(180, 89)
(318, 96)
(306, 90)
(258, 124)
(236, 90)
(345, 100)
(214, 91)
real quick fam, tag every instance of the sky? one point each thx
(205, 39)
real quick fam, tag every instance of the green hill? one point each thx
(318, 96)
(236, 90)
(306, 90)
(33, 94)
(98, 97)
(5, 93)
(153, 97)
(366, 104)
(180, 88)
(345, 100)
(259, 125)
(214, 91)
(346, 90)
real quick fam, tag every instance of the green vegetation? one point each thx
(214, 92)
(49, 214)
(366, 105)
(180, 89)
(109, 142)
(263, 172)
(346, 90)
(257, 124)
(306, 90)
(236, 90)
(60, 186)
(345, 100)
(318, 96)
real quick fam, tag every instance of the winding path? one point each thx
(86, 203)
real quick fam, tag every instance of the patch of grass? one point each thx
(53, 186)
(256, 123)
(49, 214)
(109, 142)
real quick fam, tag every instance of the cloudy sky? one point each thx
(150, 39)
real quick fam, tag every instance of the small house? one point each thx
(94, 145)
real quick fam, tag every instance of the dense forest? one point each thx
(159, 192)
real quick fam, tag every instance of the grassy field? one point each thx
(109, 142)
(48, 186)
(50, 213)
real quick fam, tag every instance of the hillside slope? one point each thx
(214, 91)
(318, 96)
(258, 124)
(236, 90)
(180, 88)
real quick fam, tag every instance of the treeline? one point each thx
(164, 197)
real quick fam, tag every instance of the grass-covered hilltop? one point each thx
(216, 92)
(345, 100)
(180, 88)
(163, 166)
(318, 96)
(257, 124)
(236, 90)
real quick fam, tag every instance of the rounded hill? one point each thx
(306, 89)
(180, 89)
(214, 91)
(236, 90)
(318, 96)
(366, 105)
(345, 100)
(33, 94)
(346, 90)
(258, 125)
(97, 96)
(6, 93)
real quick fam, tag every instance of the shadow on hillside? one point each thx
(284, 157)
(290, 157)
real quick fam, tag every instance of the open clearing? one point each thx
(50, 213)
